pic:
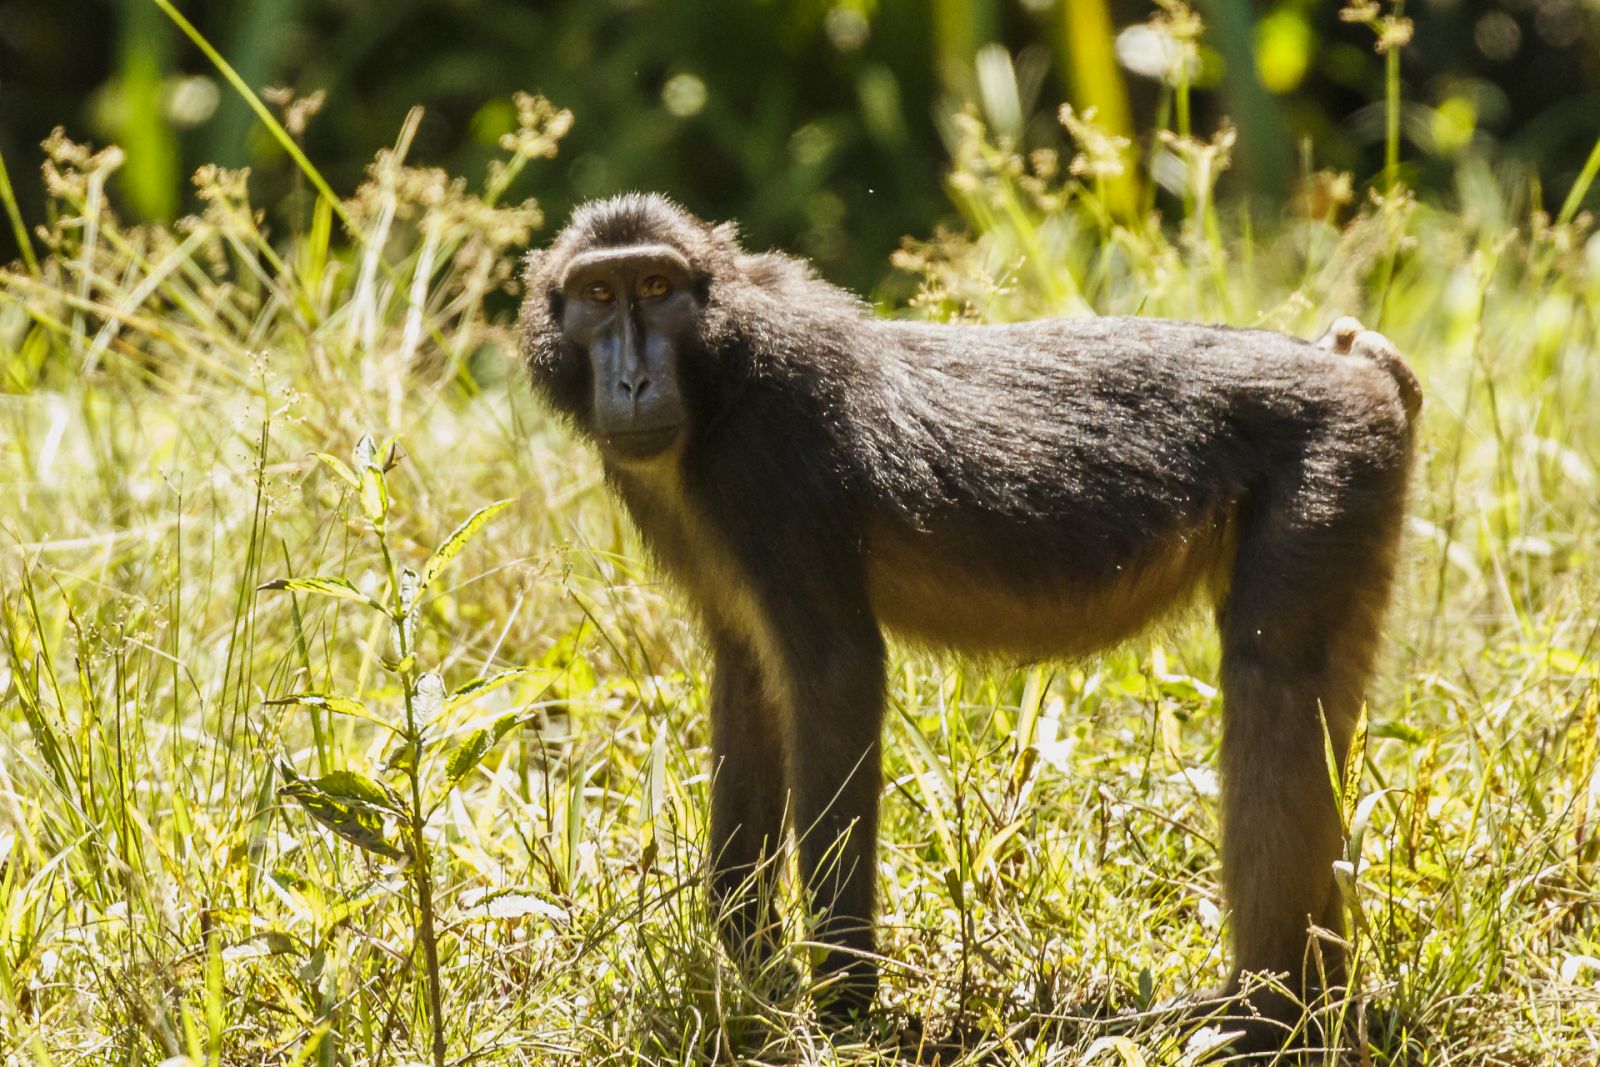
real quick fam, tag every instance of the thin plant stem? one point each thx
(19, 229)
(1391, 111)
(421, 867)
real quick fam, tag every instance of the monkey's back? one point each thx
(1093, 466)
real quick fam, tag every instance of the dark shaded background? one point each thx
(815, 123)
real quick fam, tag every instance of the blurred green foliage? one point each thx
(167, 660)
(822, 125)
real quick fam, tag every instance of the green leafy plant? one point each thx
(375, 816)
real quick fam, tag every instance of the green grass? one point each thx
(1049, 833)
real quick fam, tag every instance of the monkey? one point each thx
(812, 477)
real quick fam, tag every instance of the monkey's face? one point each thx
(632, 313)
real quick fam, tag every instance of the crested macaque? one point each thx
(811, 475)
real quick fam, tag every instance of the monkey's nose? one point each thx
(634, 389)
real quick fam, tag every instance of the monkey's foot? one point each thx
(1263, 1023)
(845, 997)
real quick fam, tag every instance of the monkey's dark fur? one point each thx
(1034, 490)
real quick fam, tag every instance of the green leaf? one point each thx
(336, 704)
(428, 697)
(952, 882)
(338, 588)
(409, 588)
(572, 845)
(936, 767)
(989, 855)
(354, 903)
(344, 786)
(372, 487)
(935, 781)
(655, 792)
(655, 785)
(466, 755)
(1344, 875)
(339, 467)
(1355, 757)
(402, 756)
(1398, 731)
(477, 744)
(1358, 822)
(1022, 763)
(466, 694)
(290, 878)
(348, 803)
(374, 495)
(1331, 761)
(510, 903)
(1032, 701)
(266, 943)
(353, 787)
(452, 545)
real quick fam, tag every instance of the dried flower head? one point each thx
(540, 127)
(1100, 152)
(297, 110)
(1393, 32)
(1322, 194)
(1178, 20)
(70, 168)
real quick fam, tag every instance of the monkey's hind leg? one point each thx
(1300, 625)
(747, 803)
(835, 779)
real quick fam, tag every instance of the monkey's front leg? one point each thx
(747, 801)
(831, 732)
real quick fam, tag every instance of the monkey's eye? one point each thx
(600, 293)
(654, 286)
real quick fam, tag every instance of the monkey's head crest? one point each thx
(636, 219)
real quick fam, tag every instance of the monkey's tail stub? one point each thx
(1348, 337)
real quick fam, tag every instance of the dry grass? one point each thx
(1049, 833)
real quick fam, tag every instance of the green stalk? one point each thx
(19, 230)
(1180, 95)
(421, 865)
(1391, 112)
(1085, 48)
(1579, 190)
(319, 739)
(273, 126)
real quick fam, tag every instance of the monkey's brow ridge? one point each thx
(664, 255)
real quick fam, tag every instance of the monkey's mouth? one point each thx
(636, 445)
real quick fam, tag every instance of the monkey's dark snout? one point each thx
(638, 417)
(638, 412)
(634, 389)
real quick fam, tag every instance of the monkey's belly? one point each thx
(931, 591)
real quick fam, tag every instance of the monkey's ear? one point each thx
(534, 280)
(531, 264)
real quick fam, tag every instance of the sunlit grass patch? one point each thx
(1049, 834)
